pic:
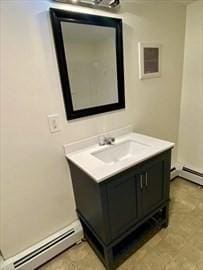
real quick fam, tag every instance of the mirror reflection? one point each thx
(90, 54)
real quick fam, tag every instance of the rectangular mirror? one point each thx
(90, 58)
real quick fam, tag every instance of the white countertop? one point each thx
(100, 170)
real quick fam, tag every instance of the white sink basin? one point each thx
(121, 151)
(102, 162)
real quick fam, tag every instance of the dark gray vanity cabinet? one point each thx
(120, 213)
(134, 195)
(122, 204)
(153, 184)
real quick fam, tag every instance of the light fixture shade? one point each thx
(93, 3)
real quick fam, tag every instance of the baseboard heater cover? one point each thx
(46, 249)
(188, 173)
(172, 169)
(186, 169)
(192, 175)
(173, 173)
(38, 251)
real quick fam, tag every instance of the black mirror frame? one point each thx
(58, 15)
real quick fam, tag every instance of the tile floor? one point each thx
(179, 247)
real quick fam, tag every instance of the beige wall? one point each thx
(156, 102)
(191, 121)
(36, 191)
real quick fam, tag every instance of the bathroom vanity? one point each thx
(121, 193)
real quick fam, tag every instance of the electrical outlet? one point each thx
(54, 124)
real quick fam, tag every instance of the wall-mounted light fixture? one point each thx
(93, 3)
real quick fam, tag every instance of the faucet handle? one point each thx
(112, 139)
(102, 140)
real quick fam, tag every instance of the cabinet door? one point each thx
(122, 204)
(152, 183)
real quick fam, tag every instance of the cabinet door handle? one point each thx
(146, 179)
(141, 181)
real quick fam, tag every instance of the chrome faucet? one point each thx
(106, 140)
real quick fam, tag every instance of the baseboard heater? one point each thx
(173, 173)
(172, 169)
(46, 249)
(192, 171)
(191, 174)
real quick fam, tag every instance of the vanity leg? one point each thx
(108, 256)
(166, 216)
